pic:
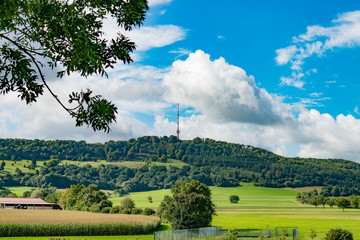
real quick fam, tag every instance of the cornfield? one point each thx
(16, 223)
(17, 230)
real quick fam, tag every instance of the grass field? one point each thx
(20, 190)
(130, 164)
(322, 220)
(10, 166)
(250, 196)
(260, 207)
(305, 189)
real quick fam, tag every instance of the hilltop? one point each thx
(151, 162)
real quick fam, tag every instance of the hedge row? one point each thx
(17, 230)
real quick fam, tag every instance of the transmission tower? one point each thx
(178, 128)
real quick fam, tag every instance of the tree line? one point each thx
(208, 161)
(318, 199)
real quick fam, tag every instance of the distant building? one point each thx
(27, 203)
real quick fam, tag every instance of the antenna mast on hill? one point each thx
(178, 128)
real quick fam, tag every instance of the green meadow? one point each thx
(261, 207)
(258, 208)
(250, 196)
(19, 190)
(130, 164)
(10, 166)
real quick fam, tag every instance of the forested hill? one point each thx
(211, 162)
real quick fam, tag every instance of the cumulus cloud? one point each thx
(221, 91)
(327, 137)
(312, 135)
(344, 33)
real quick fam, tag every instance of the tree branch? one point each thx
(40, 73)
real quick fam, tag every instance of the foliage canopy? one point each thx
(234, 198)
(66, 36)
(189, 207)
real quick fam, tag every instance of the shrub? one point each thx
(234, 198)
(128, 203)
(149, 211)
(232, 234)
(126, 211)
(105, 210)
(94, 208)
(115, 209)
(338, 234)
(136, 211)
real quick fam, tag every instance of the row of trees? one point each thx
(313, 198)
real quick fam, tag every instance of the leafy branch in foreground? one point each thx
(66, 36)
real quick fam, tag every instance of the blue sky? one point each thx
(282, 75)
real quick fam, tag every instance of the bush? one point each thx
(94, 208)
(149, 211)
(234, 198)
(105, 210)
(232, 234)
(115, 209)
(126, 211)
(128, 203)
(136, 211)
(339, 234)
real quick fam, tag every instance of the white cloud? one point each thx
(317, 40)
(157, 36)
(180, 52)
(312, 135)
(153, 3)
(294, 80)
(145, 37)
(284, 55)
(221, 91)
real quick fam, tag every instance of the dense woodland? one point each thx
(211, 162)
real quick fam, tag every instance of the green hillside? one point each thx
(152, 163)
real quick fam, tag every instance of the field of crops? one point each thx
(57, 216)
(59, 223)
